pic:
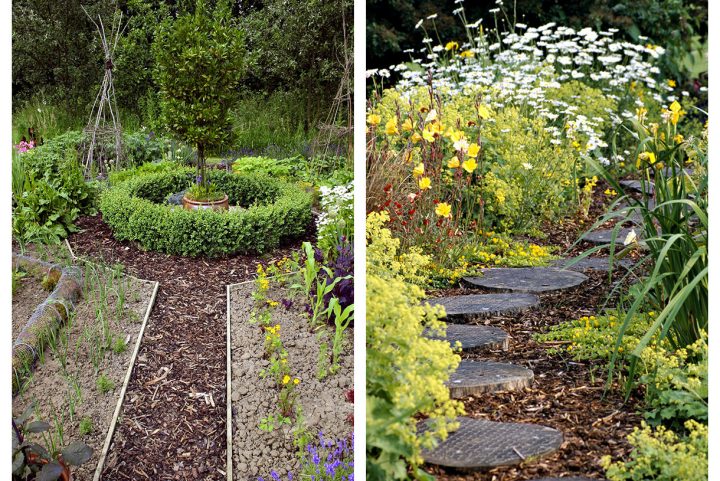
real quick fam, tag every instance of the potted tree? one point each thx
(199, 62)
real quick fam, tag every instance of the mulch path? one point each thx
(164, 433)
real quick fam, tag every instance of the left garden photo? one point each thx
(182, 240)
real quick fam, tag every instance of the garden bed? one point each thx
(324, 403)
(28, 295)
(79, 379)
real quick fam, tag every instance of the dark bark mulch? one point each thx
(566, 395)
(165, 432)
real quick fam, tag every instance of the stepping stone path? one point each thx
(527, 279)
(593, 263)
(480, 377)
(566, 479)
(637, 186)
(604, 236)
(464, 309)
(480, 444)
(474, 338)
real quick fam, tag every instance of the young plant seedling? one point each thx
(104, 384)
(86, 426)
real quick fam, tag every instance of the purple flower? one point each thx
(274, 475)
(198, 179)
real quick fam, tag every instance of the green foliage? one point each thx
(199, 63)
(297, 46)
(54, 192)
(662, 455)
(119, 176)
(86, 426)
(104, 384)
(272, 211)
(282, 168)
(676, 385)
(406, 371)
(593, 103)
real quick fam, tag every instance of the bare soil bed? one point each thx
(28, 296)
(324, 404)
(89, 348)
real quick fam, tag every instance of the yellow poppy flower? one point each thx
(407, 125)
(286, 379)
(419, 170)
(671, 83)
(473, 150)
(296, 381)
(428, 136)
(467, 54)
(454, 163)
(373, 119)
(443, 209)
(416, 138)
(469, 165)
(391, 127)
(424, 183)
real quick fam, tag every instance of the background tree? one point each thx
(199, 62)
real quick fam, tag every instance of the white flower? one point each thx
(527, 166)
(419, 24)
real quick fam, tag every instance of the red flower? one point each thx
(387, 188)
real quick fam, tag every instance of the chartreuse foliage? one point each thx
(406, 372)
(271, 210)
(662, 455)
(199, 64)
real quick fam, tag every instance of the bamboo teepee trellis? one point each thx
(332, 134)
(102, 139)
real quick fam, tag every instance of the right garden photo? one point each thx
(537, 240)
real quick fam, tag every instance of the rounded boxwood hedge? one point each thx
(273, 210)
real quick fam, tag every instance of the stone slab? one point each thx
(464, 309)
(479, 444)
(637, 186)
(604, 236)
(474, 338)
(592, 263)
(481, 377)
(526, 279)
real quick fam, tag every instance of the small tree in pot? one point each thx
(199, 62)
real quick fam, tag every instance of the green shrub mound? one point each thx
(272, 211)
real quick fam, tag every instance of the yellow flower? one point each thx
(679, 139)
(671, 83)
(419, 170)
(391, 127)
(443, 209)
(407, 125)
(416, 138)
(296, 381)
(467, 54)
(452, 46)
(428, 136)
(424, 183)
(473, 150)
(457, 135)
(373, 119)
(610, 192)
(648, 157)
(408, 156)
(286, 379)
(469, 165)
(483, 112)
(676, 112)
(454, 163)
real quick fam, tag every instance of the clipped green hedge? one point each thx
(274, 210)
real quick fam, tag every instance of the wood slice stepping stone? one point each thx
(593, 263)
(604, 236)
(526, 279)
(574, 478)
(480, 377)
(464, 309)
(474, 338)
(637, 186)
(480, 444)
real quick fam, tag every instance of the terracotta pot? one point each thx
(190, 204)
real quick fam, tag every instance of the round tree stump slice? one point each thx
(593, 263)
(604, 236)
(474, 338)
(480, 377)
(527, 279)
(637, 186)
(479, 444)
(465, 309)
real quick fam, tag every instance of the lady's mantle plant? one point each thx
(199, 63)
